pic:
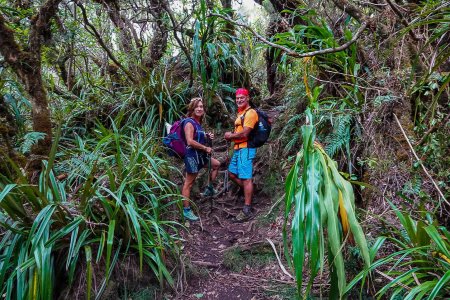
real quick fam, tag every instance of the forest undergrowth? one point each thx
(359, 96)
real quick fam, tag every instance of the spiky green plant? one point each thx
(112, 206)
(324, 215)
(420, 269)
(216, 54)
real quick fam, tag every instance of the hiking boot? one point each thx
(209, 192)
(189, 215)
(245, 215)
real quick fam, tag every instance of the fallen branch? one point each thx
(224, 210)
(392, 279)
(432, 129)
(279, 260)
(275, 205)
(268, 280)
(206, 264)
(420, 161)
(218, 221)
(248, 246)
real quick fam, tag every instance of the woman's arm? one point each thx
(189, 134)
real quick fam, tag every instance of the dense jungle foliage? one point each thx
(360, 148)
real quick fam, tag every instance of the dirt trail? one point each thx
(227, 260)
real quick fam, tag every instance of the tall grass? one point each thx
(112, 204)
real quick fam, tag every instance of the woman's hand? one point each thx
(208, 150)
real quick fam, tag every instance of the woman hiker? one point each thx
(197, 153)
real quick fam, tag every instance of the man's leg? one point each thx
(235, 179)
(248, 191)
(245, 171)
(245, 167)
(233, 169)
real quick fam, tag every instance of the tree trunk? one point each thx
(27, 65)
(158, 45)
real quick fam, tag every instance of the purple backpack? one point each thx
(175, 141)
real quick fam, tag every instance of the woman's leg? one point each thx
(215, 164)
(187, 186)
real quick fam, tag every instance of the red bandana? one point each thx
(242, 91)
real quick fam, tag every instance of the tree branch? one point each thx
(40, 23)
(420, 161)
(404, 22)
(175, 26)
(292, 53)
(8, 46)
(433, 129)
(351, 9)
(102, 43)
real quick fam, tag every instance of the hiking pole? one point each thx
(225, 180)
(209, 187)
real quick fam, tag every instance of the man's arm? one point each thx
(237, 136)
(251, 118)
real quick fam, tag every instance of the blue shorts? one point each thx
(241, 163)
(194, 160)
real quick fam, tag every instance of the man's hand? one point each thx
(228, 135)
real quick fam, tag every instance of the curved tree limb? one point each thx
(351, 9)
(97, 35)
(292, 53)
(176, 26)
(404, 22)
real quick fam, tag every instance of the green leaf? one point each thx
(442, 283)
(109, 242)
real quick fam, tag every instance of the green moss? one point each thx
(236, 259)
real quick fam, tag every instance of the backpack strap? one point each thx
(183, 123)
(243, 116)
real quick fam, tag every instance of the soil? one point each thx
(228, 260)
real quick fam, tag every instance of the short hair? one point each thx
(192, 105)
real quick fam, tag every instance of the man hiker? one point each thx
(241, 165)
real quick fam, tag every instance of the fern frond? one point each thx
(292, 142)
(30, 139)
(340, 136)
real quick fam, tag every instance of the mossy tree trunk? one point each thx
(26, 64)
